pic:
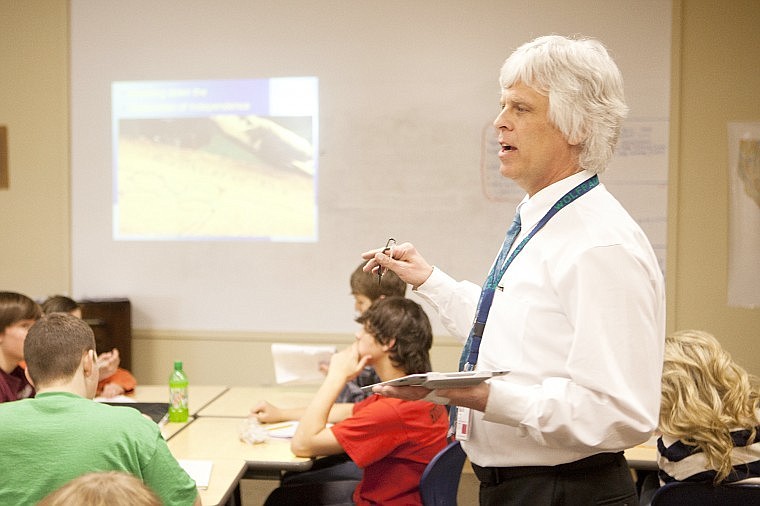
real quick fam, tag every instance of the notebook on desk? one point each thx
(155, 410)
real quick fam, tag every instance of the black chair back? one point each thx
(706, 494)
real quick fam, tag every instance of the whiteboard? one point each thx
(407, 90)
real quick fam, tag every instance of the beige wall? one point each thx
(715, 77)
(716, 82)
(34, 102)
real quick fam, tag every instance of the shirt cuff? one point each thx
(508, 403)
(434, 283)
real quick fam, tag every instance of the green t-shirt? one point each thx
(55, 437)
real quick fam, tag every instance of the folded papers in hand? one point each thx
(300, 364)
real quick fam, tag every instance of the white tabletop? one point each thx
(238, 401)
(214, 438)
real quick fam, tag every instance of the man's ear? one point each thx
(390, 344)
(89, 362)
(28, 377)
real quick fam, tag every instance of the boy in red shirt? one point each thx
(391, 439)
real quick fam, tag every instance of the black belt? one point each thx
(496, 475)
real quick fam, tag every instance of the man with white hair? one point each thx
(574, 305)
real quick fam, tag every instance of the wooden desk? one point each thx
(215, 438)
(644, 456)
(238, 401)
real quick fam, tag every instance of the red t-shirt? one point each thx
(392, 440)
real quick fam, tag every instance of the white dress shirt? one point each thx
(579, 320)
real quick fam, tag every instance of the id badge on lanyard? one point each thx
(463, 424)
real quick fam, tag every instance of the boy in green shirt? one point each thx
(62, 433)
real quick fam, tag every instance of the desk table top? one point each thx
(238, 401)
(199, 396)
(225, 477)
(643, 456)
(212, 438)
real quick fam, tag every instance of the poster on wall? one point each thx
(744, 214)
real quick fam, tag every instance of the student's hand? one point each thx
(407, 263)
(112, 390)
(267, 413)
(108, 362)
(347, 364)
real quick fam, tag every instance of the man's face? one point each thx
(361, 303)
(533, 153)
(12, 340)
(368, 345)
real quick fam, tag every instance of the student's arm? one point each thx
(313, 438)
(118, 383)
(340, 412)
(269, 413)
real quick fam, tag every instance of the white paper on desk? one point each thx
(299, 364)
(199, 470)
(282, 430)
(118, 398)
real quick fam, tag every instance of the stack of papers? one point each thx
(199, 470)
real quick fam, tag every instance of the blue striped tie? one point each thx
(472, 346)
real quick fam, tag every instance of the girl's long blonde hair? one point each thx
(706, 395)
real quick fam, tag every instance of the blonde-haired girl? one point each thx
(709, 413)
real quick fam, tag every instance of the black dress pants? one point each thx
(603, 479)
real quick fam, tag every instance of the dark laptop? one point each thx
(155, 410)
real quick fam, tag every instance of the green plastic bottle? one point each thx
(178, 411)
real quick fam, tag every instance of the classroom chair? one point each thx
(706, 494)
(440, 480)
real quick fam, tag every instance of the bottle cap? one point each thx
(177, 365)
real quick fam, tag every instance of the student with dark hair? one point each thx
(392, 440)
(61, 304)
(114, 380)
(17, 314)
(62, 433)
(365, 289)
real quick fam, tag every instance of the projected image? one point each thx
(215, 160)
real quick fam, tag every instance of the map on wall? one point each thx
(744, 215)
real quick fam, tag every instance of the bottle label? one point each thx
(178, 398)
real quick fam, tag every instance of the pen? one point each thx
(389, 244)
